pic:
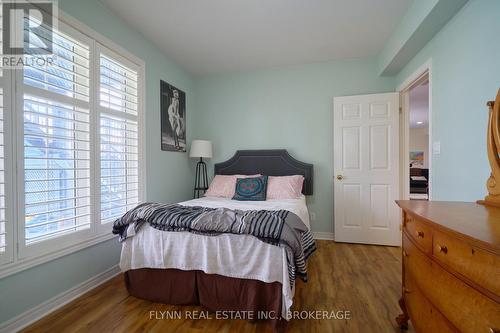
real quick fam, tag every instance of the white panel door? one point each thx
(366, 164)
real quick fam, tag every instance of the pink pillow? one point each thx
(224, 186)
(285, 187)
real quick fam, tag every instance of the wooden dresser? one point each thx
(451, 267)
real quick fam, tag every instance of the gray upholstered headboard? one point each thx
(272, 162)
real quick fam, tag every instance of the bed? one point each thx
(228, 272)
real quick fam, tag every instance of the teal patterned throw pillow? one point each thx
(251, 189)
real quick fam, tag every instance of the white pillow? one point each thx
(285, 187)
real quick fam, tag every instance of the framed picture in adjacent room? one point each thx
(417, 159)
(173, 118)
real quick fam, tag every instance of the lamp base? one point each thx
(201, 179)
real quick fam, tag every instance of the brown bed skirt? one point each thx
(212, 291)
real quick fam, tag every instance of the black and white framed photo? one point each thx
(173, 118)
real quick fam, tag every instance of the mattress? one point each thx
(237, 256)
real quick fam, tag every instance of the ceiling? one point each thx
(217, 36)
(419, 106)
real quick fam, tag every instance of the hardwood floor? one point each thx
(362, 279)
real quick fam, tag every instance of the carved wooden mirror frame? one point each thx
(493, 146)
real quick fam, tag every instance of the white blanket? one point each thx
(238, 256)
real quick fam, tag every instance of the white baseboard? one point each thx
(323, 235)
(27, 318)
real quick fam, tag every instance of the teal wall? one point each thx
(284, 108)
(22, 291)
(465, 75)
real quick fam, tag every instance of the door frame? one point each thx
(404, 127)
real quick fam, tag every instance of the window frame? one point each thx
(18, 255)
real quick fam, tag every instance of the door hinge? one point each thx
(400, 110)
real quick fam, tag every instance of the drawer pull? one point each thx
(493, 330)
(405, 253)
(420, 234)
(443, 249)
(407, 291)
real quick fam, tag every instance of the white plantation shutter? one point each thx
(118, 89)
(57, 140)
(69, 72)
(1, 37)
(6, 179)
(119, 167)
(56, 168)
(3, 231)
(3, 226)
(6, 193)
(119, 155)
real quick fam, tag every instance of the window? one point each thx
(57, 142)
(56, 169)
(76, 144)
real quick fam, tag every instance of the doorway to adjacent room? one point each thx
(416, 150)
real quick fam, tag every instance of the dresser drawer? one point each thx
(425, 317)
(463, 306)
(416, 264)
(468, 309)
(419, 231)
(478, 265)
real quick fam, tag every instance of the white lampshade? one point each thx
(201, 148)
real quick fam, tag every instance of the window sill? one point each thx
(23, 264)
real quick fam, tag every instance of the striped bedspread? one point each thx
(277, 227)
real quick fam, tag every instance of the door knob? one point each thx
(340, 177)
